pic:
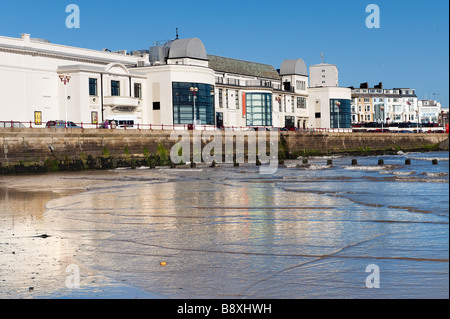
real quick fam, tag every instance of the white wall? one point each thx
(316, 75)
(164, 75)
(319, 101)
(29, 79)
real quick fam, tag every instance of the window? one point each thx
(259, 109)
(318, 115)
(301, 103)
(138, 90)
(367, 108)
(366, 99)
(183, 104)
(236, 94)
(115, 88)
(292, 104)
(221, 98)
(93, 87)
(340, 113)
(156, 106)
(301, 85)
(226, 98)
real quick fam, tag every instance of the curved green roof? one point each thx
(228, 65)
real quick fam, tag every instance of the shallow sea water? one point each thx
(226, 232)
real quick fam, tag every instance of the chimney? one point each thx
(25, 37)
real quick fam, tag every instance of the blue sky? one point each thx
(410, 49)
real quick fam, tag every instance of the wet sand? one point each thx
(226, 232)
(35, 254)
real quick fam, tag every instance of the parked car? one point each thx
(8, 124)
(61, 124)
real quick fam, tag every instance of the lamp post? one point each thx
(338, 104)
(65, 79)
(194, 91)
(418, 118)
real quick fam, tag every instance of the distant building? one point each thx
(323, 75)
(330, 105)
(444, 117)
(376, 104)
(429, 111)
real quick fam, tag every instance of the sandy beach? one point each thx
(307, 232)
(35, 254)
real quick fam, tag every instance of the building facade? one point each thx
(429, 111)
(324, 75)
(375, 104)
(174, 84)
(41, 81)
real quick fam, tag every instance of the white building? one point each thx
(93, 84)
(175, 84)
(375, 104)
(330, 107)
(429, 111)
(323, 75)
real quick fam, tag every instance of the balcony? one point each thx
(122, 102)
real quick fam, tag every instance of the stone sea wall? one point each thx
(24, 150)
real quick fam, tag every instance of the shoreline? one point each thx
(104, 163)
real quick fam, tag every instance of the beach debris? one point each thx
(163, 263)
(43, 236)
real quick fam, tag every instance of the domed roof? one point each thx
(187, 48)
(296, 66)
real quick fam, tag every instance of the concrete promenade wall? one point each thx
(29, 150)
(363, 143)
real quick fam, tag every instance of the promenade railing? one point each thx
(203, 127)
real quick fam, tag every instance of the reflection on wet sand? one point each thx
(220, 234)
(27, 254)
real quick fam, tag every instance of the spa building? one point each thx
(172, 84)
